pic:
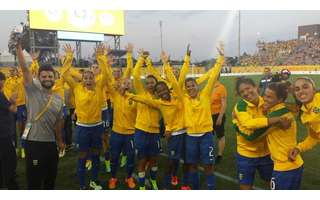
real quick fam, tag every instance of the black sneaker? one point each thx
(218, 159)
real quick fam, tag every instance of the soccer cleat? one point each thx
(83, 188)
(95, 186)
(123, 161)
(174, 180)
(113, 183)
(107, 165)
(142, 188)
(130, 182)
(185, 187)
(154, 184)
(23, 154)
(88, 164)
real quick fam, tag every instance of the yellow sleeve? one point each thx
(65, 71)
(247, 121)
(34, 67)
(213, 76)
(204, 77)
(105, 73)
(308, 143)
(76, 74)
(172, 80)
(127, 72)
(142, 99)
(184, 71)
(136, 76)
(152, 70)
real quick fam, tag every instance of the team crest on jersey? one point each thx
(316, 110)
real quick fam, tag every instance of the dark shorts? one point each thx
(200, 149)
(21, 113)
(247, 168)
(121, 143)
(106, 119)
(218, 130)
(287, 180)
(176, 147)
(147, 144)
(89, 137)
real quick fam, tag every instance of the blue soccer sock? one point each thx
(167, 181)
(142, 179)
(195, 180)
(82, 171)
(114, 165)
(130, 165)
(211, 181)
(185, 178)
(95, 166)
(153, 172)
(175, 168)
(107, 155)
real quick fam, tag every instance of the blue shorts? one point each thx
(106, 120)
(287, 180)
(200, 149)
(21, 113)
(247, 168)
(176, 147)
(89, 137)
(147, 144)
(121, 143)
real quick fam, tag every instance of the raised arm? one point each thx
(152, 70)
(185, 68)
(170, 76)
(66, 67)
(214, 74)
(27, 76)
(137, 76)
(127, 72)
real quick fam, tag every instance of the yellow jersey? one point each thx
(310, 117)
(147, 117)
(280, 141)
(198, 110)
(88, 103)
(251, 125)
(15, 84)
(172, 111)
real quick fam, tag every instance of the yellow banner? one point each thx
(109, 22)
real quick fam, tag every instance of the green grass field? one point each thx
(67, 178)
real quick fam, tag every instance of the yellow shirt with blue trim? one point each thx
(280, 141)
(310, 117)
(250, 124)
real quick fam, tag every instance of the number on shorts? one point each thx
(211, 152)
(273, 183)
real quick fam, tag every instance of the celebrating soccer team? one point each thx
(122, 116)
